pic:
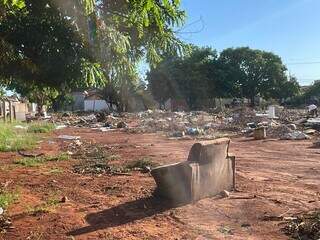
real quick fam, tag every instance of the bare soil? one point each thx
(275, 179)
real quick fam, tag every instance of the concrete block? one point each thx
(260, 133)
(208, 171)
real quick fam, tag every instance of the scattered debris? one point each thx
(5, 223)
(292, 126)
(60, 127)
(260, 133)
(33, 155)
(198, 124)
(64, 199)
(305, 227)
(93, 159)
(316, 144)
(225, 230)
(20, 127)
(68, 137)
(225, 194)
(144, 165)
(122, 125)
(296, 135)
(178, 134)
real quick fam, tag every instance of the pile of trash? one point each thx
(291, 115)
(93, 159)
(174, 124)
(5, 223)
(305, 227)
(288, 124)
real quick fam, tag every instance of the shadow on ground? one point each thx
(122, 214)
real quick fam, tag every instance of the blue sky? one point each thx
(289, 28)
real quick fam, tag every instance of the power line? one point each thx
(183, 31)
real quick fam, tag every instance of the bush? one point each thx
(7, 198)
(12, 139)
(41, 128)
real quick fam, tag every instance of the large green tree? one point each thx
(254, 72)
(98, 36)
(187, 77)
(203, 75)
(313, 92)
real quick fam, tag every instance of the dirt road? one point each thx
(274, 179)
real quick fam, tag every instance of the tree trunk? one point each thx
(40, 104)
(252, 101)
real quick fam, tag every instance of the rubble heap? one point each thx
(289, 124)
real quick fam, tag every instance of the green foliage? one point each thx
(313, 90)
(189, 77)
(7, 198)
(254, 72)
(44, 208)
(2, 92)
(12, 139)
(49, 45)
(203, 75)
(41, 127)
(33, 162)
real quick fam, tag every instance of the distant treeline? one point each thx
(203, 74)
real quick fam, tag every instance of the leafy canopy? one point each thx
(203, 75)
(61, 44)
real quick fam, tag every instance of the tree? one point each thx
(160, 82)
(45, 53)
(185, 77)
(2, 91)
(254, 72)
(286, 89)
(313, 92)
(120, 33)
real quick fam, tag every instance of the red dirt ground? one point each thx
(274, 178)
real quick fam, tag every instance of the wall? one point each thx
(95, 105)
(78, 104)
(20, 111)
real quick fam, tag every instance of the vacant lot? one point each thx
(56, 200)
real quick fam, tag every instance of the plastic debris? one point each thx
(68, 137)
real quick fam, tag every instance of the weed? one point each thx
(32, 162)
(44, 208)
(41, 127)
(7, 198)
(13, 139)
(93, 160)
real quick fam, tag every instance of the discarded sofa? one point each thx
(208, 171)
